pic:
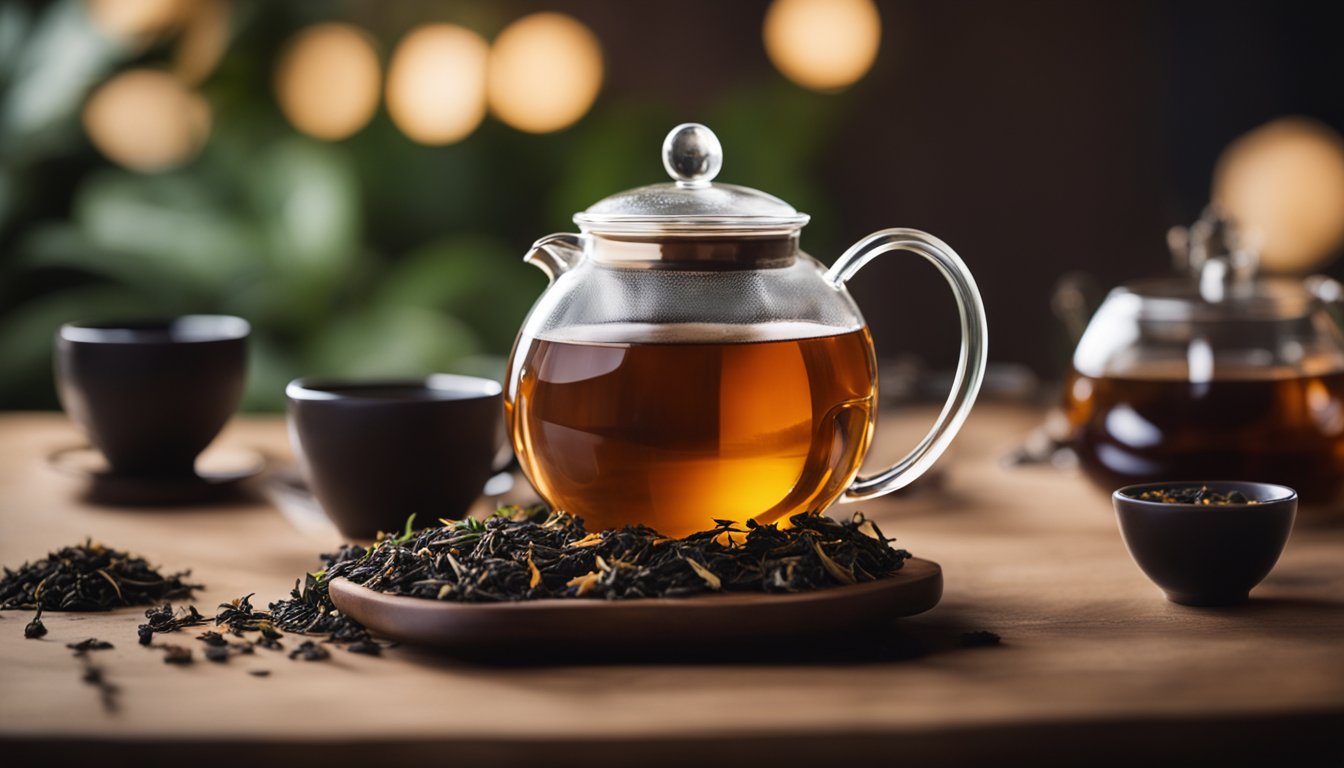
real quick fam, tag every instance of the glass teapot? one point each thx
(1215, 373)
(688, 362)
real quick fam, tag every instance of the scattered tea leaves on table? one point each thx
(93, 674)
(162, 619)
(1201, 495)
(366, 647)
(259, 672)
(309, 609)
(239, 616)
(219, 649)
(35, 629)
(175, 654)
(979, 639)
(213, 638)
(92, 644)
(309, 651)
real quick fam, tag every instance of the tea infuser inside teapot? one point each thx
(689, 362)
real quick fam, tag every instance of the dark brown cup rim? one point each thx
(434, 388)
(185, 329)
(1264, 494)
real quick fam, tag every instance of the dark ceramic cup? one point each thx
(152, 395)
(376, 452)
(1207, 555)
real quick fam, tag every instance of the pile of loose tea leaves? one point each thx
(1202, 495)
(516, 554)
(530, 553)
(303, 613)
(87, 577)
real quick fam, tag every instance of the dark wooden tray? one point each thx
(916, 588)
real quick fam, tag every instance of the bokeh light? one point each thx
(147, 120)
(328, 80)
(204, 38)
(436, 83)
(135, 21)
(545, 72)
(1284, 184)
(824, 45)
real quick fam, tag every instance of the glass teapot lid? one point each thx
(691, 203)
(1218, 279)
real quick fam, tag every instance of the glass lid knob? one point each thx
(692, 155)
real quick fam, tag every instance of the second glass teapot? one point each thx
(688, 362)
(1213, 373)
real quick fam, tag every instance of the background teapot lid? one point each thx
(692, 203)
(1218, 279)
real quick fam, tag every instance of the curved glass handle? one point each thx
(970, 368)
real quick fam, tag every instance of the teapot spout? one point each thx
(556, 254)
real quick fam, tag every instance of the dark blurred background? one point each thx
(329, 171)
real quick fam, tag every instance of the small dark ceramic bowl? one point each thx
(152, 395)
(1207, 555)
(375, 452)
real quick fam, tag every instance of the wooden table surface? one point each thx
(1094, 664)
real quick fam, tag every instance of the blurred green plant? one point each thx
(367, 257)
(264, 224)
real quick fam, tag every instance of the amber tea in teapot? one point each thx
(690, 363)
(1279, 425)
(757, 425)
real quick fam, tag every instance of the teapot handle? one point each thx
(970, 367)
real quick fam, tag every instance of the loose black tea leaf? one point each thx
(309, 609)
(309, 651)
(366, 647)
(979, 639)
(162, 619)
(239, 616)
(175, 654)
(1201, 495)
(35, 628)
(259, 672)
(219, 649)
(94, 675)
(92, 644)
(89, 577)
